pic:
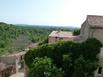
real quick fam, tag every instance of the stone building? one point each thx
(2, 67)
(93, 28)
(6, 70)
(56, 36)
(13, 61)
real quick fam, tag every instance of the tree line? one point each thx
(17, 37)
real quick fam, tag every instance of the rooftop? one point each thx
(61, 34)
(95, 21)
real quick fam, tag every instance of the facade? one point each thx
(6, 70)
(12, 58)
(93, 28)
(2, 67)
(14, 63)
(56, 36)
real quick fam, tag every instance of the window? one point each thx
(100, 70)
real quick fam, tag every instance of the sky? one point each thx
(49, 12)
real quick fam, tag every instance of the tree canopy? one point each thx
(17, 37)
(69, 56)
(43, 67)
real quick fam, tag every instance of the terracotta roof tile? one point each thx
(95, 21)
(61, 34)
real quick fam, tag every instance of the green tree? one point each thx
(76, 32)
(43, 67)
(84, 68)
(67, 64)
(66, 55)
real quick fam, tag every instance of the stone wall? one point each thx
(54, 39)
(8, 60)
(7, 71)
(98, 34)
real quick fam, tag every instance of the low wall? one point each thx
(9, 70)
(8, 60)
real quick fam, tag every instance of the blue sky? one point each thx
(49, 12)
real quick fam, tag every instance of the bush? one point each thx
(76, 32)
(43, 67)
(84, 68)
(67, 64)
(45, 41)
(67, 53)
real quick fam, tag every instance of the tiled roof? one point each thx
(95, 21)
(61, 34)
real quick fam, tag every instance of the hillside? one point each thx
(17, 37)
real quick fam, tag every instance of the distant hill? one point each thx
(14, 38)
(50, 26)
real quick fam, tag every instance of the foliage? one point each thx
(17, 37)
(76, 32)
(69, 56)
(43, 67)
(67, 64)
(45, 41)
(84, 68)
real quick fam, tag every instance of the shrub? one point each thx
(45, 41)
(84, 68)
(67, 64)
(43, 67)
(76, 32)
(67, 53)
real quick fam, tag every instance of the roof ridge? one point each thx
(94, 16)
